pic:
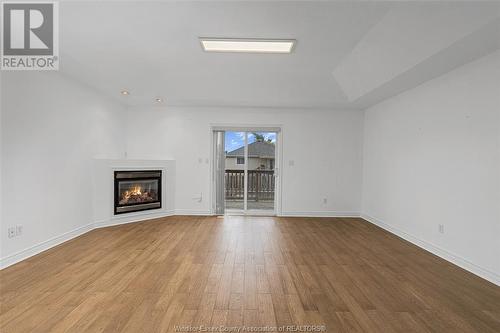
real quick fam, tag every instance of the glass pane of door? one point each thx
(234, 180)
(261, 176)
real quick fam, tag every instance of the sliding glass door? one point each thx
(260, 171)
(234, 178)
(248, 180)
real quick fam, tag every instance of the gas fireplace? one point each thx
(137, 190)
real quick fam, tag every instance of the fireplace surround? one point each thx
(137, 190)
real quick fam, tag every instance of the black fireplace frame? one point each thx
(137, 175)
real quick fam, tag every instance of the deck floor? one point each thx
(252, 204)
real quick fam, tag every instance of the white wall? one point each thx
(52, 127)
(325, 145)
(2, 229)
(432, 156)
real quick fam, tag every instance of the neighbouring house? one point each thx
(260, 157)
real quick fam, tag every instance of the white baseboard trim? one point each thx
(319, 214)
(446, 255)
(118, 220)
(43, 246)
(193, 212)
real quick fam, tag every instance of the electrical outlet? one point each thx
(19, 230)
(441, 228)
(325, 201)
(11, 232)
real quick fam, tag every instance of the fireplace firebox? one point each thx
(137, 190)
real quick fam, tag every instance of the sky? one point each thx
(235, 140)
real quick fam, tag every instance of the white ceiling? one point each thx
(348, 54)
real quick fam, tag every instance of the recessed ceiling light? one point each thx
(125, 92)
(158, 100)
(247, 45)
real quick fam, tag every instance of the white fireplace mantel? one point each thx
(103, 190)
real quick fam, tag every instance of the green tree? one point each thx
(259, 137)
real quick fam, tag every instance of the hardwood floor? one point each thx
(345, 274)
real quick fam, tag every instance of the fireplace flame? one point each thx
(137, 194)
(136, 190)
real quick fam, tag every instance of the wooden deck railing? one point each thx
(260, 184)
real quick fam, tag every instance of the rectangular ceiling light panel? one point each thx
(245, 45)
